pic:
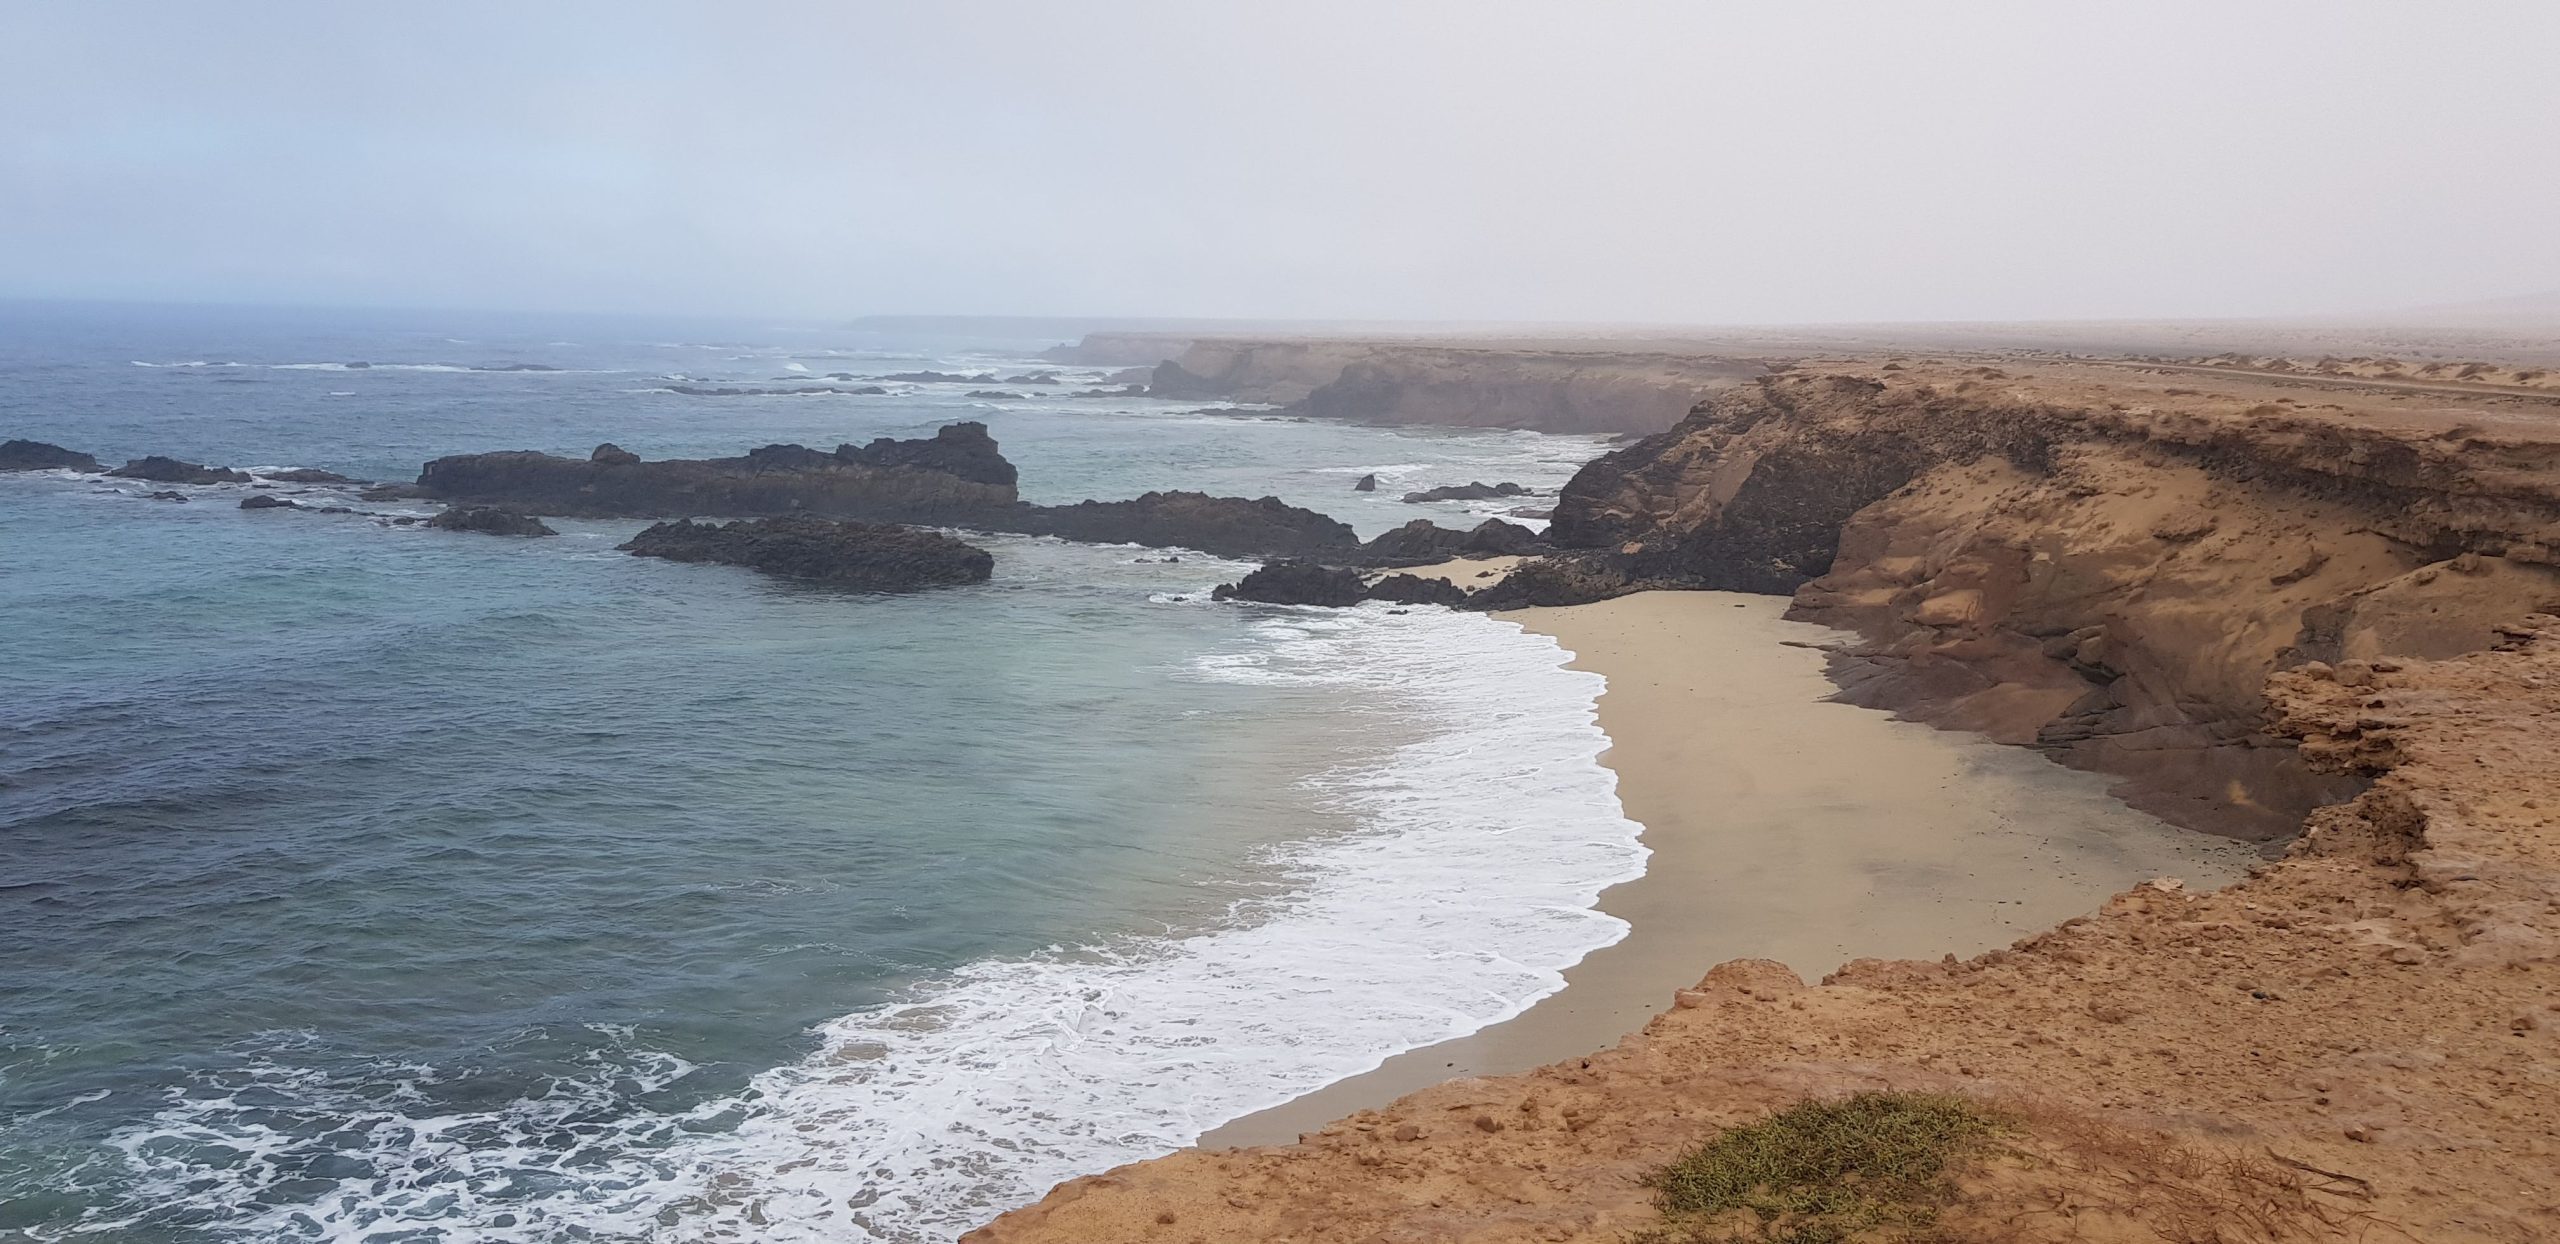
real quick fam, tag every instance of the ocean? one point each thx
(369, 883)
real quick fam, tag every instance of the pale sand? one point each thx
(1466, 572)
(1786, 828)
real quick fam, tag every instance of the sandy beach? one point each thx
(1786, 827)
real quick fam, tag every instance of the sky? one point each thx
(1615, 161)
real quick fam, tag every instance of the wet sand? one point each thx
(1787, 828)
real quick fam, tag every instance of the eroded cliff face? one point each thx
(2102, 570)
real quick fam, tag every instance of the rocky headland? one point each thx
(2271, 607)
(857, 556)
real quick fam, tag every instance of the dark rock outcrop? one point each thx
(16, 455)
(994, 395)
(956, 472)
(166, 495)
(1405, 589)
(938, 377)
(161, 470)
(1296, 583)
(490, 520)
(611, 454)
(1226, 526)
(1422, 541)
(864, 557)
(1476, 491)
(268, 501)
(394, 492)
(1368, 483)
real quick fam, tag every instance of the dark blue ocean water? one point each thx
(361, 882)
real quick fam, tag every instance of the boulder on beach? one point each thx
(490, 520)
(868, 557)
(16, 455)
(160, 470)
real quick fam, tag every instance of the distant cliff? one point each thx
(1548, 387)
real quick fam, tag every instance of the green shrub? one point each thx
(1824, 1172)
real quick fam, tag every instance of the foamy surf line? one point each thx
(1469, 888)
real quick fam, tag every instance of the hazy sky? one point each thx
(1688, 162)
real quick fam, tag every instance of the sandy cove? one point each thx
(1765, 846)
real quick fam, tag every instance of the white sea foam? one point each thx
(1466, 890)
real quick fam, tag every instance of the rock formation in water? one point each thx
(490, 520)
(859, 556)
(954, 472)
(161, 470)
(955, 478)
(1226, 526)
(1288, 582)
(1367, 483)
(18, 455)
(268, 501)
(1474, 491)
(1423, 541)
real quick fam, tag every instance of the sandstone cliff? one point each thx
(2106, 569)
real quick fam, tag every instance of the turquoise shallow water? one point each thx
(370, 883)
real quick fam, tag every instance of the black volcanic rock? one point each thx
(1422, 541)
(268, 501)
(956, 472)
(490, 520)
(866, 557)
(41, 456)
(611, 454)
(1496, 538)
(1226, 526)
(1405, 589)
(1295, 583)
(308, 475)
(1476, 491)
(161, 470)
(1368, 483)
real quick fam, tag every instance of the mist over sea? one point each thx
(369, 883)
